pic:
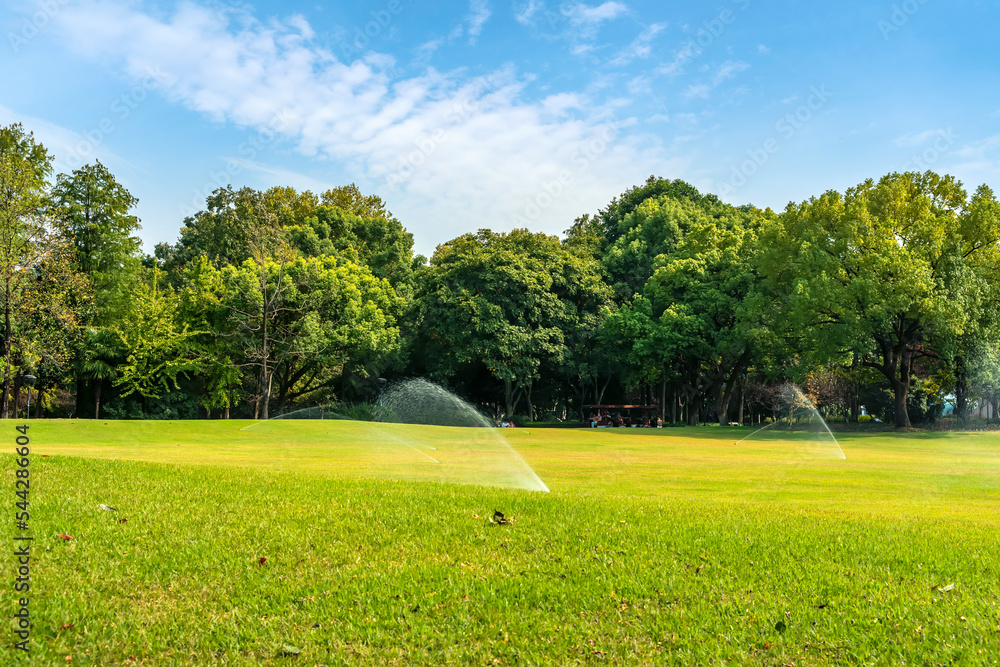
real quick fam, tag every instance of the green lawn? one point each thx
(667, 546)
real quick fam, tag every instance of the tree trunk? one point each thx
(7, 332)
(663, 398)
(901, 391)
(739, 417)
(97, 398)
(16, 412)
(81, 384)
(508, 396)
(265, 398)
(961, 390)
(720, 405)
(599, 391)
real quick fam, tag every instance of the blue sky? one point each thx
(498, 114)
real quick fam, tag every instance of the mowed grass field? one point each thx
(298, 542)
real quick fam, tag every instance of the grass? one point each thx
(655, 546)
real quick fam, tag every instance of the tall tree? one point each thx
(155, 346)
(97, 212)
(29, 237)
(349, 199)
(873, 272)
(504, 301)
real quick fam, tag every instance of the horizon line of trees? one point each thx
(885, 296)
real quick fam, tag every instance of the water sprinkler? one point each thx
(381, 382)
(29, 381)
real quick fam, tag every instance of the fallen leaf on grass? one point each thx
(66, 626)
(288, 649)
(499, 518)
(123, 520)
(107, 508)
(66, 537)
(260, 563)
(949, 587)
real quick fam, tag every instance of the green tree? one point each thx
(348, 198)
(96, 210)
(305, 323)
(381, 244)
(877, 272)
(156, 347)
(504, 301)
(32, 244)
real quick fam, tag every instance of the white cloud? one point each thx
(479, 14)
(911, 140)
(976, 149)
(639, 85)
(640, 46)
(69, 149)
(527, 12)
(687, 53)
(586, 20)
(763, 50)
(699, 90)
(728, 70)
(581, 14)
(449, 154)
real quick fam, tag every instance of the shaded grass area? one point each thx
(660, 547)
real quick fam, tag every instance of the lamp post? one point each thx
(381, 382)
(29, 381)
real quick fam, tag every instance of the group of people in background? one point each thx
(605, 419)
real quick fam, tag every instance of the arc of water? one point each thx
(755, 433)
(420, 452)
(799, 396)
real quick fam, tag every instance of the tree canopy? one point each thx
(885, 296)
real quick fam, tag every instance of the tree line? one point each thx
(885, 296)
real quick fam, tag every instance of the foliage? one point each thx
(884, 272)
(155, 346)
(504, 301)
